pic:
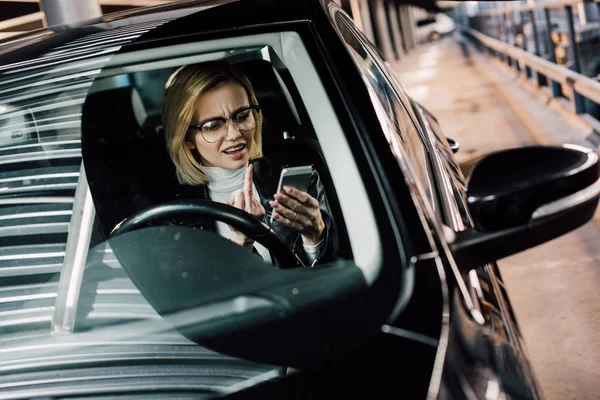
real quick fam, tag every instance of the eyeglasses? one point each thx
(215, 129)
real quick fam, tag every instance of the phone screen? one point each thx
(296, 177)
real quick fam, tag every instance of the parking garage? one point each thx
(497, 75)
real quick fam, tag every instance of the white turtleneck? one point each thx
(221, 183)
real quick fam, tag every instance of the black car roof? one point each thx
(156, 11)
(28, 44)
(115, 16)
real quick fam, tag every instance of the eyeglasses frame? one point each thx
(198, 126)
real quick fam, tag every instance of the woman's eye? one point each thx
(212, 126)
(243, 115)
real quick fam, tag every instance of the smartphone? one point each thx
(296, 177)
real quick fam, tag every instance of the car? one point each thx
(102, 295)
(432, 27)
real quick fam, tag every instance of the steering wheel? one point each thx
(238, 219)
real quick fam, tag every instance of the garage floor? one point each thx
(555, 288)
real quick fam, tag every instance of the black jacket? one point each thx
(266, 177)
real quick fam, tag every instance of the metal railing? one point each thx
(580, 84)
(503, 36)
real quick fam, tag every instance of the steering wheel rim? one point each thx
(239, 219)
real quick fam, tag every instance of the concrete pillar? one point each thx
(401, 28)
(412, 40)
(412, 25)
(64, 12)
(356, 14)
(588, 12)
(392, 10)
(388, 24)
(407, 28)
(383, 31)
(365, 15)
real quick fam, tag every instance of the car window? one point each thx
(59, 211)
(297, 127)
(396, 120)
(40, 163)
(131, 164)
(454, 173)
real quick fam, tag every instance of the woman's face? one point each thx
(222, 102)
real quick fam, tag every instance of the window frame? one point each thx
(443, 202)
(402, 100)
(362, 231)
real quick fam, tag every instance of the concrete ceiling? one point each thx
(17, 16)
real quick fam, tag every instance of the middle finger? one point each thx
(238, 200)
(248, 190)
(257, 208)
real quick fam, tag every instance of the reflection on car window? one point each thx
(128, 169)
(40, 162)
(393, 113)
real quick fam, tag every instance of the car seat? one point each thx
(288, 136)
(127, 164)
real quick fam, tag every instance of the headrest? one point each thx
(127, 170)
(121, 115)
(139, 112)
(276, 103)
(116, 115)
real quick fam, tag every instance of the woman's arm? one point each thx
(329, 245)
(309, 214)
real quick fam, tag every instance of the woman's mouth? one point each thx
(235, 152)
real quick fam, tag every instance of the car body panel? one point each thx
(485, 284)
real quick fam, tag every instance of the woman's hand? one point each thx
(300, 211)
(244, 200)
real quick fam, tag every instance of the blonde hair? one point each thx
(182, 92)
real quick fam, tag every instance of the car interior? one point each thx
(124, 150)
(128, 168)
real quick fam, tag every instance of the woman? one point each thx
(213, 125)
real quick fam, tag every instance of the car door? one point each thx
(480, 293)
(486, 288)
(485, 284)
(136, 345)
(422, 337)
(415, 320)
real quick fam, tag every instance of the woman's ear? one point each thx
(190, 145)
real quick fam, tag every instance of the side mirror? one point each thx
(523, 197)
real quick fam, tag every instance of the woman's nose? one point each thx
(232, 131)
